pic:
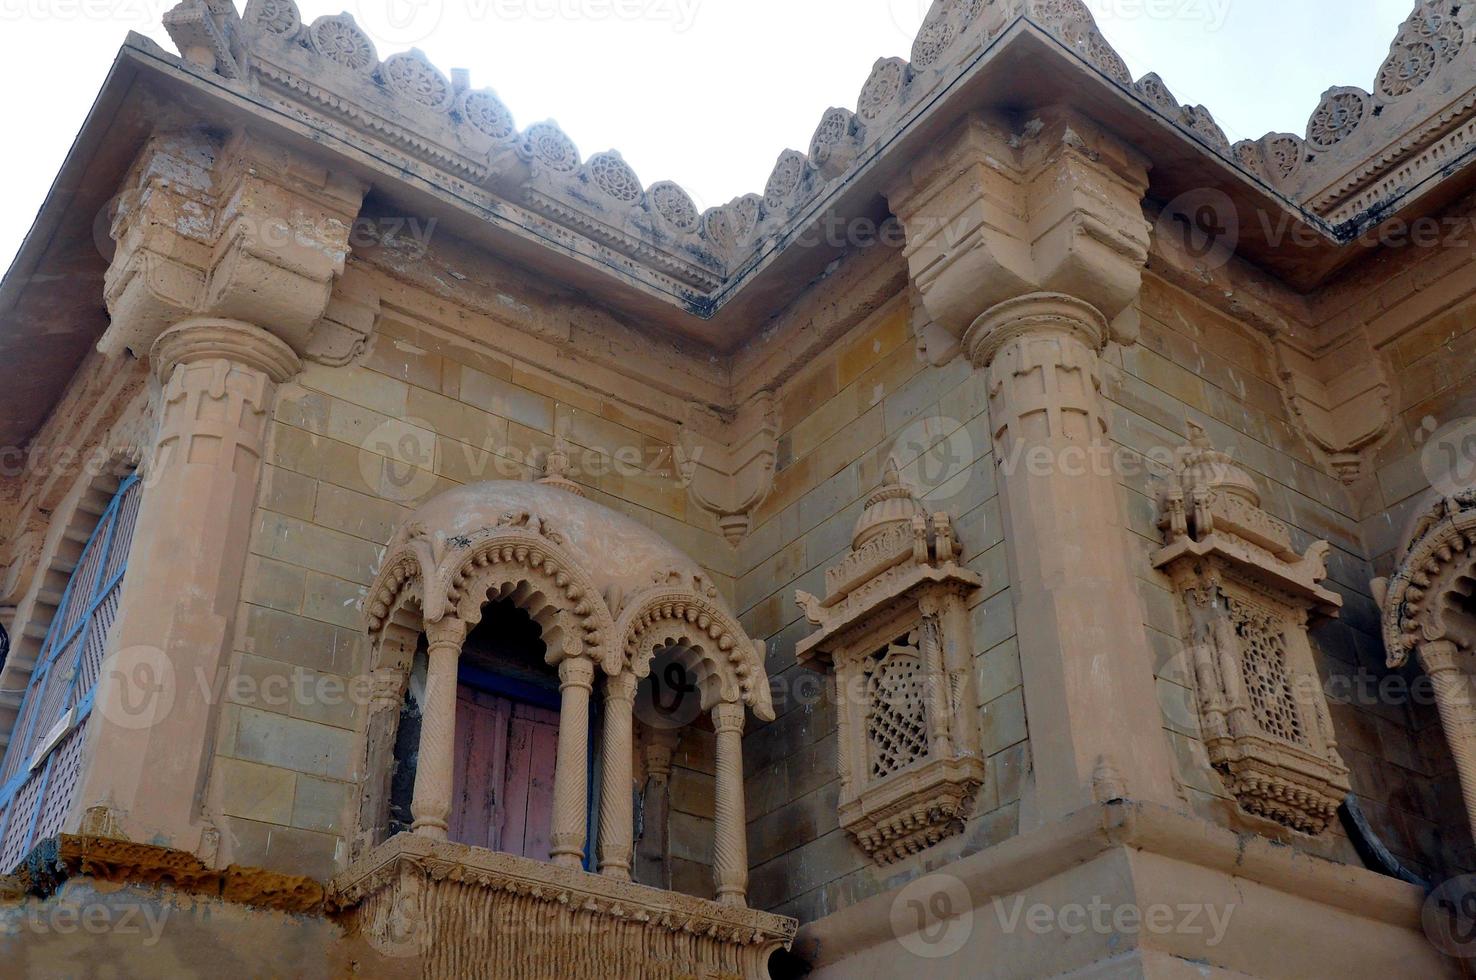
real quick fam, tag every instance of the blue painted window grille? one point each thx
(39, 775)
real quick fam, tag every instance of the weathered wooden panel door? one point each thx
(505, 757)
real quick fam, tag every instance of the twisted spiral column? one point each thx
(730, 846)
(571, 770)
(1457, 714)
(435, 773)
(617, 821)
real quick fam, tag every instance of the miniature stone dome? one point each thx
(1202, 465)
(890, 504)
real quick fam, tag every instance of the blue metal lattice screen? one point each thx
(44, 760)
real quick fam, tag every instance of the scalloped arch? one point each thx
(664, 615)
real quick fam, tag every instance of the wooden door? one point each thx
(505, 752)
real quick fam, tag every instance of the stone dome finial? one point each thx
(556, 469)
(889, 504)
(1202, 465)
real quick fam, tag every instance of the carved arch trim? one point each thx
(521, 558)
(1438, 566)
(664, 616)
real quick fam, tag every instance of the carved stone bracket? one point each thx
(729, 463)
(239, 229)
(1248, 595)
(1342, 401)
(894, 625)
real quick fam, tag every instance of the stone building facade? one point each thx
(1033, 537)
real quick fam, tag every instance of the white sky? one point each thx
(703, 92)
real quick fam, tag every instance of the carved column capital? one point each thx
(1034, 313)
(728, 717)
(447, 633)
(577, 672)
(212, 338)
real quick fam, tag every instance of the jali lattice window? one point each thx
(1248, 597)
(44, 759)
(894, 627)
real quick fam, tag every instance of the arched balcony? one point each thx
(609, 597)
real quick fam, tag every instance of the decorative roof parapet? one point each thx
(1360, 149)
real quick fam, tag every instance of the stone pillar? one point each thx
(1027, 247)
(174, 624)
(435, 771)
(652, 864)
(617, 808)
(571, 770)
(730, 844)
(1457, 714)
(1084, 649)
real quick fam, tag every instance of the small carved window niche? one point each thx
(894, 626)
(1249, 598)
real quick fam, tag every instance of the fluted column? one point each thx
(730, 845)
(1457, 714)
(571, 771)
(617, 819)
(1085, 655)
(435, 771)
(152, 733)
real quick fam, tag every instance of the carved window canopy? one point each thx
(894, 626)
(1249, 597)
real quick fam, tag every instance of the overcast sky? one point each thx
(704, 92)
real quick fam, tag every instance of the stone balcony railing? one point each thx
(448, 910)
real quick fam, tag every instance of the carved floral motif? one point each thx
(881, 89)
(339, 40)
(548, 145)
(485, 113)
(614, 177)
(279, 17)
(675, 205)
(1341, 112)
(414, 77)
(785, 179)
